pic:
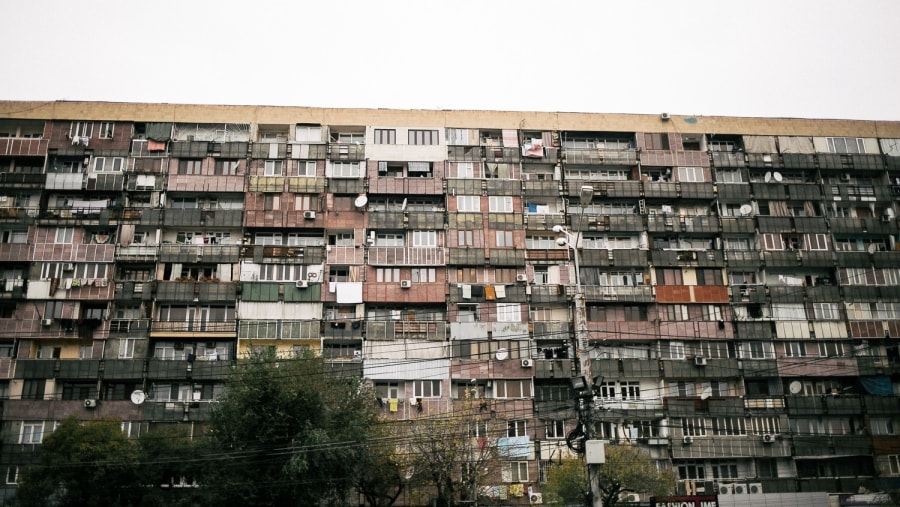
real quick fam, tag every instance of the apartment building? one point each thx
(730, 285)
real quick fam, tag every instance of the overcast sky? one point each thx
(775, 58)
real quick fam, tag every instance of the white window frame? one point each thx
(64, 235)
(308, 133)
(555, 428)
(32, 432)
(854, 145)
(426, 389)
(502, 388)
(106, 130)
(345, 169)
(515, 471)
(306, 169)
(424, 239)
(503, 238)
(468, 203)
(500, 204)
(509, 312)
(516, 428)
(691, 174)
(693, 426)
(116, 164)
(12, 474)
(81, 129)
(465, 170)
(423, 137)
(274, 168)
(676, 349)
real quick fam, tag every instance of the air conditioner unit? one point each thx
(755, 488)
(687, 440)
(845, 177)
(768, 439)
(739, 489)
(536, 498)
(309, 215)
(46, 322)
(405, 284)
(90, 403)
(664, 117)
(527, 363)
(725, 489)
(302, 284)
(700, 361)
(632, 498)
(521, 278)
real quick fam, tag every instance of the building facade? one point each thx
(730, 285)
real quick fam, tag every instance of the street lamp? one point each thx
(595, 454)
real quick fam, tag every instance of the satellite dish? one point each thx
(872, 248)
(501, 354)
(138, 397)
(795, 387)
(361, 201)
(768, 177)
(746, 209)
(777, 176)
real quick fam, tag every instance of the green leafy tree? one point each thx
(83, 464)
(285, 433)
(628, 469)
(169, 456)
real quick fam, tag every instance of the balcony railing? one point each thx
(407, 256)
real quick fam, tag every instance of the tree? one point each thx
(450, 455)
(89, 464)
(287, 434)
(628, 469)
(169, 456)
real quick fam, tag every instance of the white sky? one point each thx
(775, 58)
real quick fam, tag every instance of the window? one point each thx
(464, 170)
(189, 166)
(831, 349)
(676, 350)
(676, 312)
(108, 164)
(504, 238)
(309, 133)
(64, 235)
(694, 174)
(106, 130)
(516, 428)
(32, 432)
(81, 129)
(691, 470)
(468, 203)
(386, 136)
(794, 349)
(845, 145)
(620, 390)
(711, 312)
(656, 141)
(274, 167)
(423, 137)
(515, 471)
(729, 176)
(512, 388)
(509, 312)
(463, 238)
(427, 388)
(729, 426)
(226, 167)
(271, 202)
(758, 350)
(635, 313)
(724, 470)
(12, 474)
(131, 429)
(424, 275)
(816, 241)
(555, 428)
(500, 204)
(424, 238)
(693, 426)
(306, 168)
(894, 464)
(126, 348)
(345, 169)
